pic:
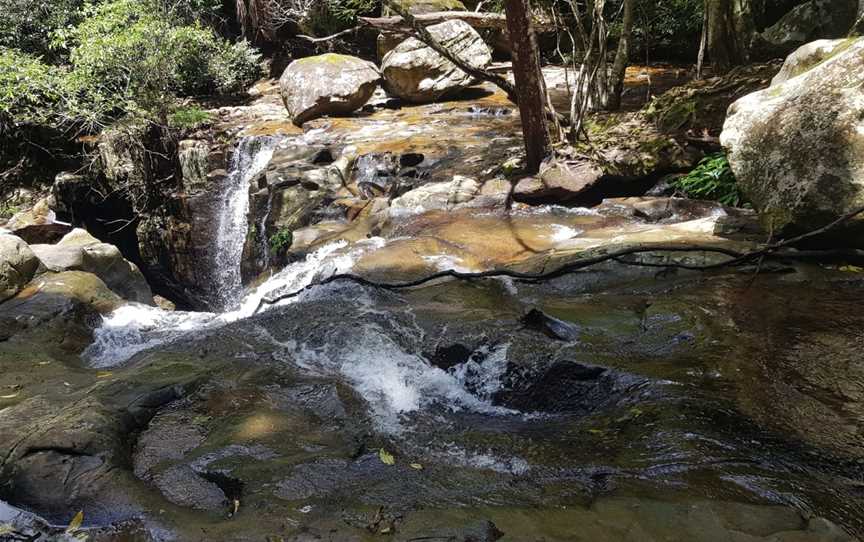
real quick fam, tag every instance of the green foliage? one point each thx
(281, 241)
(125, 57)
(670, 27)
(207, 12)
(189, 118)
(8, 211)
(347, 11)
(29, 25)
(29, 88)
(133, 49)
(712, 180)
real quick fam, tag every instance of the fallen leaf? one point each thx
(416, 466)
(596, 431)
(236, 507)
(11, 395)
(44, 363)
(852, 269)
(76, 522)
(5, 528)
(386, 457)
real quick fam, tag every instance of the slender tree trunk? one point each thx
(703, 42)
(858, 29)
(530, 88)
(622, 56)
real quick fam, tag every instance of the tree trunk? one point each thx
(726, 42)
(530, 87)
(622, 56)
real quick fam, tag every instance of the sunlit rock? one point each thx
(329, 84)
(414, 72)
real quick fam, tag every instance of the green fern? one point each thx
(711, 180)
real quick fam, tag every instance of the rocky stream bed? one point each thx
(624, 401)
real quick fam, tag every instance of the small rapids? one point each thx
(396, 381)
(136, 327)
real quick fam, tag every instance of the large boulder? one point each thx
(328, 84)
(38, 224)
(18, 264)
(809, 21)
(387, 41)
(797, 148)
(79, 251)
(809, 56)
(414, 72)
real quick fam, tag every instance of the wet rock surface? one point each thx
(669, 393)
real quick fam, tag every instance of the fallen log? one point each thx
(478, 20)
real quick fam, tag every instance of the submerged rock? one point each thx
(18, 264)
(329, 84)
(416, 73)
(553, 327)
(797, 148)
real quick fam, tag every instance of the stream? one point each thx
(640, 405)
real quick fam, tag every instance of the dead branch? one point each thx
(477, 20)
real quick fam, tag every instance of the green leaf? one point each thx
(386, 457)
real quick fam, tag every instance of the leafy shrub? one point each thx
(29, 25)
(712, 180)
(129, 47)
(29, 89)
(189, 118)
(281, 241)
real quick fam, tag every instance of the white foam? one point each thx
(447, 262)
(395, 381)
(561, 233)
(134, 327)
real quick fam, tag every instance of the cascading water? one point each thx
(135, 327)
(250, 158)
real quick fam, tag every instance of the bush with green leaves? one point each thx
(189, 118)
(30, 25)
(30, 90)
(131, 47)
(281, 241)
(711, 180)
(125, 57)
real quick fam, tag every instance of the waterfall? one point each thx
(251, 156)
